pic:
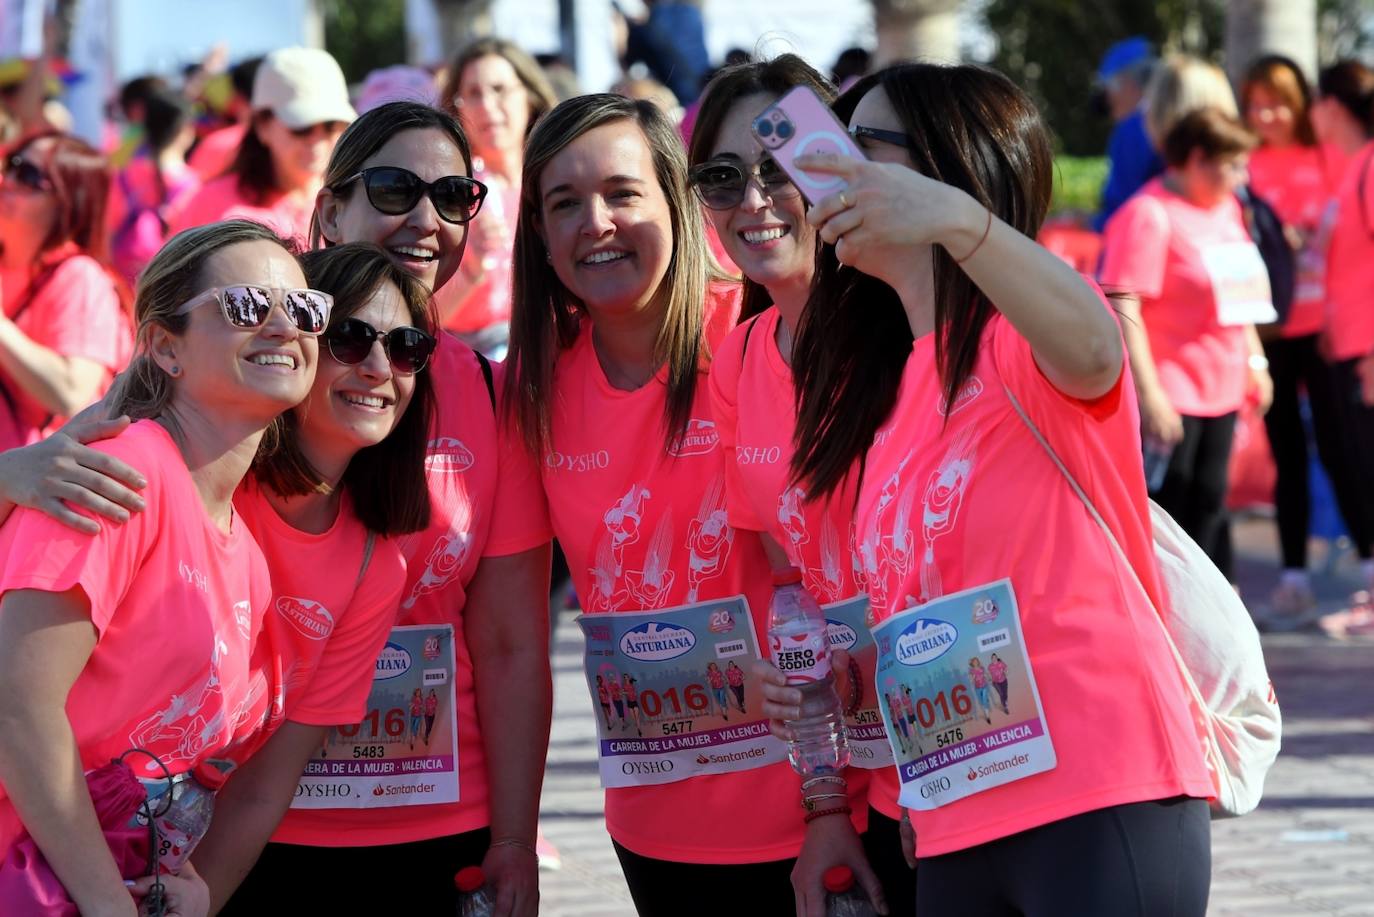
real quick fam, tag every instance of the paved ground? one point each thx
(1309, 849)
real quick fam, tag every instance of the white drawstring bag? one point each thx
(1217, 649)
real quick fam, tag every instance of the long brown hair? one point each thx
(385, 481)
(972, 128)
(1283, 79)
(1351, 84)
(772, 77)
(546, 316)
(80, 177)
(537, 87)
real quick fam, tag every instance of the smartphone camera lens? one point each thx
(763, 127)
(784, 129)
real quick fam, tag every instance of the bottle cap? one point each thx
(786, 576)
(838, 879)
(469, 879)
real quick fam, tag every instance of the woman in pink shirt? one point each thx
(979, 676)
(64, 331)
(607, 382)
(1298, 177)
(1193, 285)
(498, 92)
(735, 676)
(486, 535)
(932, 308)
(300, 106)
(182, 585)
(1344, 119)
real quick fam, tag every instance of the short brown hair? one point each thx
(1283, 79)
(1214, 132)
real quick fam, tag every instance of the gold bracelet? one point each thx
(809, 802)
(986, 229)
(516, 843)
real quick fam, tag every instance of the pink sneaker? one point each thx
(548, 854)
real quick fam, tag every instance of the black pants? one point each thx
(1194, 489)
(1149, 859)
(663, 888)
(883, 844)
(1357, 437)
(1295, 365)
(414, 878)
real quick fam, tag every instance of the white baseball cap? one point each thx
(301, 87)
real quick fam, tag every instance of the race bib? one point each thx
(673, 693)
(1240, 284)
(848, 631)
(405, 750)
(958, 697)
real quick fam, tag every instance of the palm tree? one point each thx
(1255, 27)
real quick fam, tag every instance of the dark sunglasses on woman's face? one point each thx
(407, 348)
(720, 183)
(22, 172)
(394, 191)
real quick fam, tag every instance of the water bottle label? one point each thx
(802, 657)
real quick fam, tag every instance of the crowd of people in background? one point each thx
(283, 346)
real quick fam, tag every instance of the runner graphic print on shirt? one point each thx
(709, 537)
(448, 556)
(622, 521)
(649, 587)
(827, 582)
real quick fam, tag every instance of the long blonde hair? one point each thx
(546, 315)
(171, 279)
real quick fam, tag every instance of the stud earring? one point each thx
(174, 371)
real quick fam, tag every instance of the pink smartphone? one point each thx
(800, 123)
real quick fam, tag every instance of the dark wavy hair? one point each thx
(385, 481)
(1351, 84)
(975, 130)
(772, 77)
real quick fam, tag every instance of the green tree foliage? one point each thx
(1052, 48)
(364, 34)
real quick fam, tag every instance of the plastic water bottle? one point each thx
(475, 897)
(799, 638)
(185, 822)
(843, 897)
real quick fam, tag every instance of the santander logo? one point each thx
(309, 618)
(446, 455)
(699, 438)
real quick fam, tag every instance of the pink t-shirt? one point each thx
(643, 529)
(215, 152)
(735, 675)
(489, 302)
(1350, 262)
(431, 704)
(325, 627)
(942, 509)
(485, 502)
(135, 187)
(615, 690)
(979, 676)
(754, 405)
(1298, 182)
(75, 313)
(177, 606)
(1155, 247)
(221, 199)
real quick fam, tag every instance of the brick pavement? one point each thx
(1309, 849)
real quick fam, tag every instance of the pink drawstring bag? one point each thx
(29, 887)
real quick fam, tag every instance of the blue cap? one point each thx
(1125, 53)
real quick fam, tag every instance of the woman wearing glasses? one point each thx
(498, 92)
(399, 179)
(760, 217)
(934, 319)
(64, 332)
(140, 634)
(300, 105)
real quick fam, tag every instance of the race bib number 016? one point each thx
(848, 630)
(405, 750)
(673, 693)
(958, 696)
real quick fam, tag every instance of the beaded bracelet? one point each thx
(809, 802)
(516, 843)
(856, 688)
(809, 817)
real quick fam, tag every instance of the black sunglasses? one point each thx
(408, 349)
(859, 132)
(721, 184)
(394, 191)
(22, 172)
